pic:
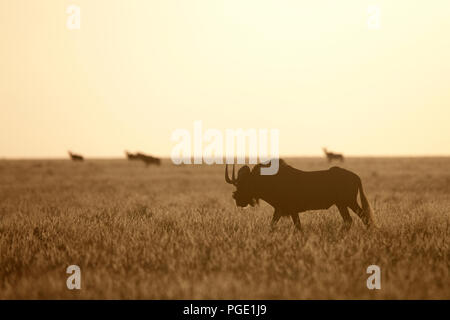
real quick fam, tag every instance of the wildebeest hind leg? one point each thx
(296, 221)
(343, 210)
(359, 211)
(275, 218)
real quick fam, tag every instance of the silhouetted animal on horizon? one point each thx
(291, 191)
(148, 160)
(131, 156)
(75, 157)
(333, 156)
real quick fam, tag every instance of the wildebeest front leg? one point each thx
(275, 218)
(296, 221)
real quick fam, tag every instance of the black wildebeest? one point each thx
(131, 156)
(291, 191)
(75, 157)
(333, 156)
(148, 159)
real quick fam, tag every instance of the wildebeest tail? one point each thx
(367, 211)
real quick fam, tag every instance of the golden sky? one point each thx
(137, 70)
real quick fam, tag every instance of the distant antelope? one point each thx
(333, 156)
(131, 156)
(75, 157)
(148, 159)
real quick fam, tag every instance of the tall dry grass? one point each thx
(174, 232)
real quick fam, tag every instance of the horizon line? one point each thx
(282, 156)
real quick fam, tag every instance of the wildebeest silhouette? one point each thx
(75, 157)
(131, 156)
(333, 156)
(291, 191)
(148, 160)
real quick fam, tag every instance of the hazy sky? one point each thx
(138, 70)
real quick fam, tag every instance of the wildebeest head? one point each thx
(244, 194)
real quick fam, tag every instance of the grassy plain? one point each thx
(174, 232)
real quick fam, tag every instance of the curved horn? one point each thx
(233, 180)
(227, 178)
